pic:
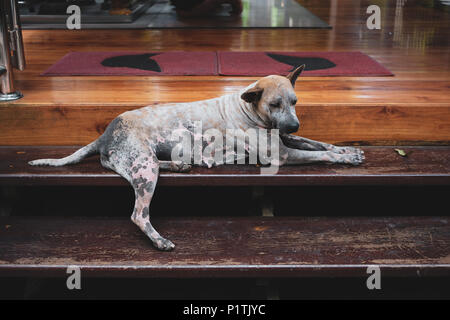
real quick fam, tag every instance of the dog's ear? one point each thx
(294, 74)
(252, 95)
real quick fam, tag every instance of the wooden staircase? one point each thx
(410, 111)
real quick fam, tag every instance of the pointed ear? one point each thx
(252, 95)
(294, 74)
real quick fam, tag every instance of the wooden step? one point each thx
(227, 247)
(383, 166)
(366, 123)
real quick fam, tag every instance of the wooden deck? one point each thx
(413, 107)
(227, 247)
(383, 166)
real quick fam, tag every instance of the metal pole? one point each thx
(15, 31)
(11, 49)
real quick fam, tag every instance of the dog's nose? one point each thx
(293, 127)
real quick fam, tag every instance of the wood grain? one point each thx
(227, 247)
(376, 124)
(383, 166)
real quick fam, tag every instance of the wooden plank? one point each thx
(369, 125)
(383, 166)
(142, 91)
(227, 247)
(375, 124)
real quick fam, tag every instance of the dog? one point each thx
(139, 143)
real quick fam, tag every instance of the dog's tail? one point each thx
(75, 157)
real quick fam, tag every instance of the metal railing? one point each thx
(11, 49)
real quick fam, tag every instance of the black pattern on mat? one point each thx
(136, 61)
(312, 63)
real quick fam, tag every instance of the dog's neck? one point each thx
(236, 112)
(251, 116)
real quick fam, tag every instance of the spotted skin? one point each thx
(139, 143)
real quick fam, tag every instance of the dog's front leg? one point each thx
(296, 156)
(301, 143)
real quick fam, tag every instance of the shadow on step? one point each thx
(232, 201)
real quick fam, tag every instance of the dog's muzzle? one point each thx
(288, 128)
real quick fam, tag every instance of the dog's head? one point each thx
(274, 99)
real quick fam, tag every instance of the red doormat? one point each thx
(317, 64)
(135, 64)
(215, 63)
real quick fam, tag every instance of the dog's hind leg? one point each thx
(140, 168)
(144, 177)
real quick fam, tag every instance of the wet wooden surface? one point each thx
(412, 107)
(208, 247)
(383, 166)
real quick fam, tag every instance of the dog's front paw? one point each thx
(354, 158)
(346, 150)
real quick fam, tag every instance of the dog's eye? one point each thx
(276, 104)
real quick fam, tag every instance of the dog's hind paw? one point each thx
(164, 244)
(175, 166)
(184, 167)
